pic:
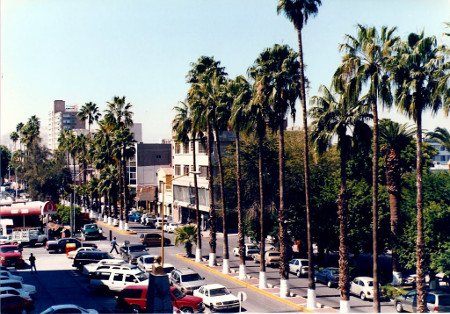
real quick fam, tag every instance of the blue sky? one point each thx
(92, 50)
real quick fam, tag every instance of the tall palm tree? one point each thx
(336, 115)
(394, 137)
(417, 74)
(203, 109)
(279, 69)
(370, 51)
(14, 136)
(186, 128)
(240, 92)
(442, 136)
(298, 12)
(89, 111)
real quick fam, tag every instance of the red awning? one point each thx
(28, 209)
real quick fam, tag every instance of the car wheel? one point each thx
(187, 310)
(329, 284)
(211, 308)
(362, 296)
(398, 307)
(298, 274)
(135, 308)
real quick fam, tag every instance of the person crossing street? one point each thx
(114, 245)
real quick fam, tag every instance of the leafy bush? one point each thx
(392, 292)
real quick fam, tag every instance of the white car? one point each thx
(171, 226)
(217, 297)
(145, 262)
(30, 289)
(68, 308)
(299, 266)
(92, 268)
(362, 287)
(4, 274)
(72, 254)
(14, 291)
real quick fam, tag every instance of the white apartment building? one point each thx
(442, 160)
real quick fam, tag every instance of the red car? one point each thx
(134, 299)
(12, 304)
(11, 255)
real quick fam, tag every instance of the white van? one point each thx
(117, 279)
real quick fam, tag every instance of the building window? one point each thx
(185, 148)
(177, 148)
(186, 170)
(202, 148)
(177, 170)
(158, 156)
(192, 146)
(203, 172)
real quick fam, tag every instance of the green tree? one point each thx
(442, 136)
(89, 111)
(417, 73)
(186, 235)
(5, 157)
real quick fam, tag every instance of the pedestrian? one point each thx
(32, 260)
(114, 245)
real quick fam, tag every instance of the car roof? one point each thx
(6, 281)
(63, 306)
(214, 286)
(185, 270)
(300, 259)
(364, 278)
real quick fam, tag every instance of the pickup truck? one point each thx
(59, 246)
(249, 250)
(11, 255)
(30, 236)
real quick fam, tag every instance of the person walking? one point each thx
(32, 260)
(114, 245)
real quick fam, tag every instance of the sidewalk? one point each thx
(115, 229)
(273, 291)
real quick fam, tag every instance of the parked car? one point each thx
(14, 291)
(362, 287)
(135, 216)
(12, 304)
(328, 276)
(4, 274)
(30, 289)
(299, 267)
(89, 257)
(145, 262)
(158, 222)
(148, 221)
(171, 226)
(131, 252)
(89, 269)
(92, 232)
(27, 235)
(72, 254)
(117, 279)
(11, 255)
(5, 239)
(68, 308)
(186, 280)
(272, 258)
(153, 239)
(133, 299)
(436, 301)
(59, 246)
(217, 297)
(249, 250)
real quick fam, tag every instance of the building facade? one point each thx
(442, 160)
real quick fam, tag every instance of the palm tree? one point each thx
(239, 90)
(108, 185)
(202, 106)
(278, 69)
(335, 115)
(186, 235)
(184, 125)
(394, 137)
(298, 12)
(442, 136)
(417, 73)
(89, 112)
(370, 51)
(14, 136)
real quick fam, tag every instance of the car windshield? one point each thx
(137, 248)
(9, 249)
(178, 294)
(444, 300)
(149, 260)
(219, 291)
(334, 271)
(191, 277)
(93, 227)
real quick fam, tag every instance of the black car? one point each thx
(59, 246)
(131, 252)
(89, 257)
(328, 276)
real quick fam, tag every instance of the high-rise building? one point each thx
(62, 118)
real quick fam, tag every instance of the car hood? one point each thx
(223, 298)
(29, 288)
(137, 254)
(196, 283)
(11, 254)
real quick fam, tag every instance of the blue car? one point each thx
(328, 276)
(134, 217)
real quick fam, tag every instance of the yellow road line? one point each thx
(245, 284)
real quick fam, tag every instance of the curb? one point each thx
(247, 285)
(123, 232)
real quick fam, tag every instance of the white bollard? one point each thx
(242, 272)
(284, 288)
(344, 306)
(212, 259)
(311, 299)
(226, 266)
(126, 226)
(262, 280)
(198, 255)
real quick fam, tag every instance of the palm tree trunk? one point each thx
(121, 196)
(126, 191)
(311, 302)
(262, 249)
(284, 267)
(212, 212)
(375, 148)
(420, 243)
(226, 254)
(393, 187)
(198, 254)
(242, 272)
(344, 285)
